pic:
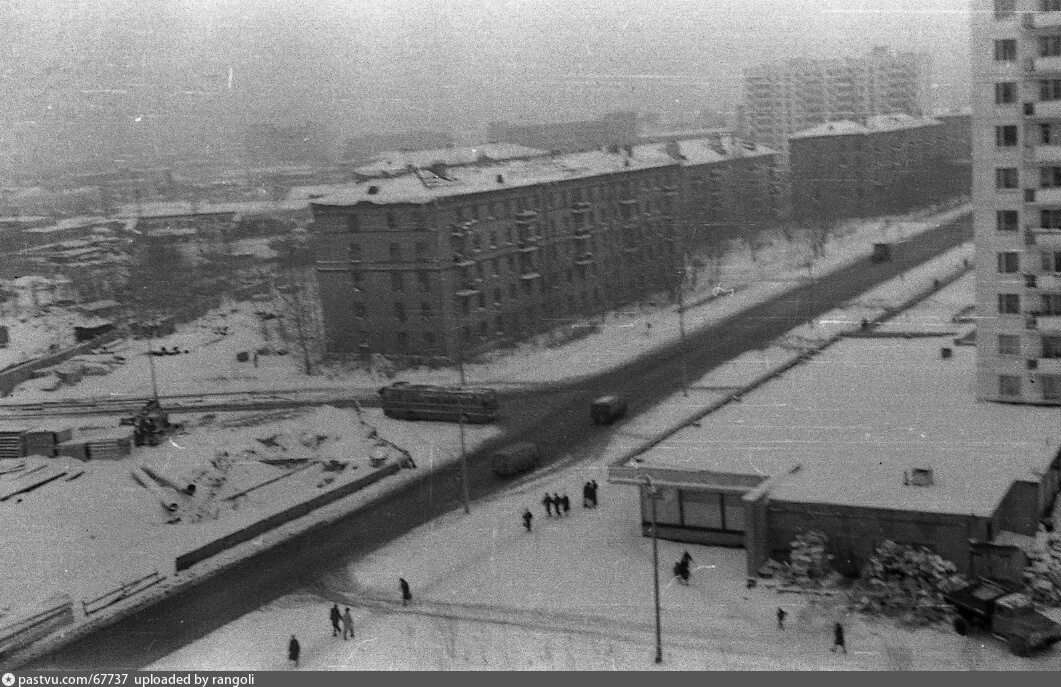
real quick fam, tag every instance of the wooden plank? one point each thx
(36, 485)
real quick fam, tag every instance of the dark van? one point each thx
(607, 409)
(517, 458)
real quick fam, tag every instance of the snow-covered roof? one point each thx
(397, 162)
(698, 151)
(875, 124)
(927, 416)
(840, 127)
(426, 186)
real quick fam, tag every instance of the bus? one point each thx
(428, 402)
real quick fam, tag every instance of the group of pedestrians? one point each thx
(559, 505)
(342, 623)
(839, 643)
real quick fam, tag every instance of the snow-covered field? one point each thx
(576, 592)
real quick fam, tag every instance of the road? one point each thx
(557, 418)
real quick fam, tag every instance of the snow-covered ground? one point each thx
(576, 592)
(211, 365)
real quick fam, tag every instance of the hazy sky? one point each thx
(368, 64)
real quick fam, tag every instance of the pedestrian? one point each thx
(686, 559)
(781, 618)
(566, 503)
(548, 503)
(407, 595)
(348, 624)
(838, 638)
(293, 650)
(681, 571)
(593, 492)
(337, 618)
(527, 517)
(557, 504)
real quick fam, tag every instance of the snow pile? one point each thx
(907, 583)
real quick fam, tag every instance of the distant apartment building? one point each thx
(1017, 194)
(781, 99)
(395, 162)
(439, 261)
(612, 129)
(888, 164)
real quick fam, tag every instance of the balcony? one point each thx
(1045, 154)
(1046, 65)
(1048, 196)
(528, 276)
(527, 246)
(462, 261)
(467, 290)
(1047, 238)
(1046, 20)
(1048, 109)
(584, 259)
(1048, 323)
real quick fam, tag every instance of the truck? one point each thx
(1005, 613)
(515, 459)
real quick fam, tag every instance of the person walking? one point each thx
(557, 504)
(593, 492)
(781, 618)
(293, 650)
(681, 571)
(838, 638)
(587, 491)
(348, 624)
(566, 503)
(686, 559)
(407, 595)
(527, 517)
(337, 618)
(548, 503)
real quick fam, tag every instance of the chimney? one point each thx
(921, 477)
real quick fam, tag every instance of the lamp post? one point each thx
(653, 495)
(465, 490)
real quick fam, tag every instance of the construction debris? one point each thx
(1042, 577)
(809, 565)
(907, 583)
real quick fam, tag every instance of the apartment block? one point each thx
(436, 262)
(1017, 194)
(781, 99)
(889, 164)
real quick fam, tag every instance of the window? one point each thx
(1009, 304)
(1050, 219)
(1006, 220)
(397, 281)
(495, 266)
(1049, 46)
(359, 310)
(392, 220)
(1051, 386)
(497, 296)
(403, 342)
(1052, 346)
(1006, 178)
(357, 279)
(1008, 385)
(1004, 8)
(1008, 263)
(1052, 261)
(421, 251)
(482, 300)
(1051, 304)
(733, 512)
(396, 252)
(1006, 50)
(353, 252)
(429, 341)
(1050, 5)
(512, 290)
(1048, 135)
(1049, 177)
(1005, 93)
(399, 311)
(1008, 344)
(701, 509)
(1006, 136)
(668, 508)
(1050, 89)
(353, 223)
(424, 281)
(426, 311)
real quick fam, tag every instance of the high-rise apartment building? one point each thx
(1016, 59)
(783, 98)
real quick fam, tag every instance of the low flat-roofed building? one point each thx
(873, 439)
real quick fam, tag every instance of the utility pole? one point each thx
(154, 377)
(653, 495)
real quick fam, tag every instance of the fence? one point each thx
(28, 630)
(121, 593)
(187, 560)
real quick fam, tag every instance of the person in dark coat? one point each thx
(593, 492)
(566, 503)
(686, 559)
(557, 504)
(548, 503)
(337, 619)
(348, 624)
(587, 494)
(527, 517)
(838, 638)
(293, 650)
(781, 618)
(407, 595)
(681, 571)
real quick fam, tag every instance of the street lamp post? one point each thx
(654, 496)
(466, 491)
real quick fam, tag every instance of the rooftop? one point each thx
(846, 127)
(398, 162)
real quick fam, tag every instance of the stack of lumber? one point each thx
(44, 441)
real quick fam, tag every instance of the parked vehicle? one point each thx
(1007, 614)
(515, 459)
(607, 409)
(429, 402)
